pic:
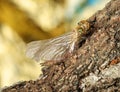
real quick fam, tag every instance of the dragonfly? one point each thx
(56, 48)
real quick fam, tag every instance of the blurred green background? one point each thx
(22, 21)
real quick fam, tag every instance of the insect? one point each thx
(56, 48)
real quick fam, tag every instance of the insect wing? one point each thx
(51, 49)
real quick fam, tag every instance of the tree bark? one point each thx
(95, 65)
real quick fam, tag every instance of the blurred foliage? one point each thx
(22, 21)
(14, 66)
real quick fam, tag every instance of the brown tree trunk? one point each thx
(95, 67)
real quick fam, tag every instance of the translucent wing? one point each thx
(55, 49)
(52, 49)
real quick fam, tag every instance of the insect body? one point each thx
(56, 48)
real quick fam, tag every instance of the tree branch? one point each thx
(94, 67)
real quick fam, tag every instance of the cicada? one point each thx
(56, 48)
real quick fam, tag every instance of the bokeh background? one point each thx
(22, 21)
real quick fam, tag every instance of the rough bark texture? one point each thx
(93, 68)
